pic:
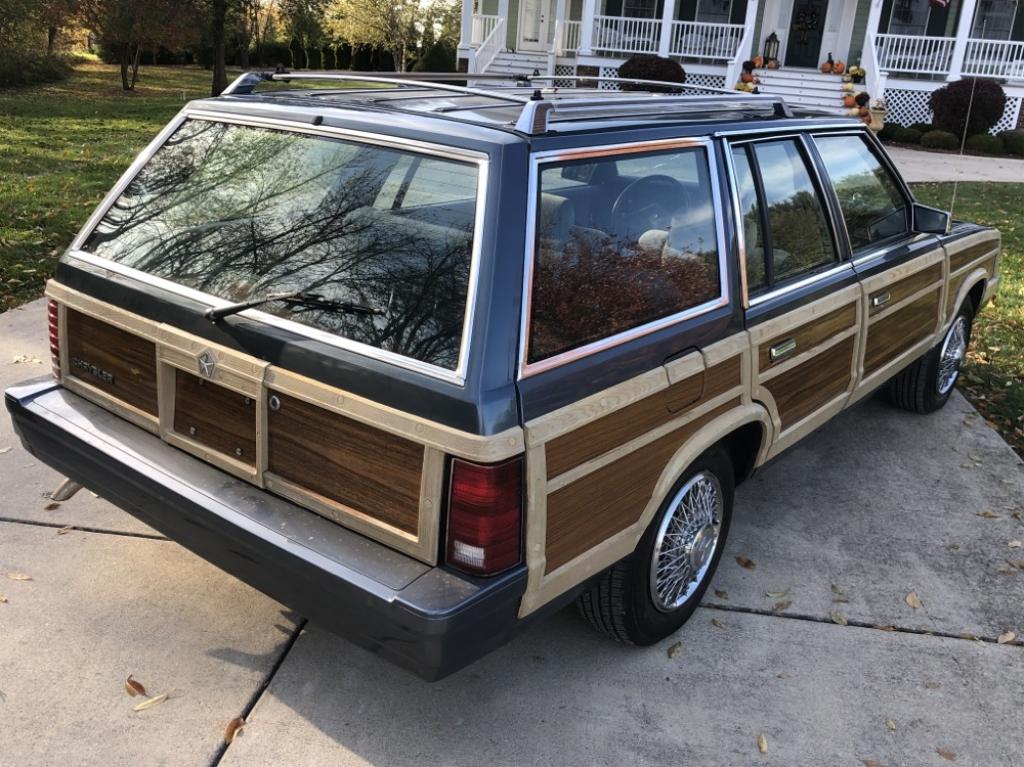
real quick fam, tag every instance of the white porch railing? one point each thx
(994, 58)
(490, 47)
(875, 76)
(703, 40)
(569, 37)
(625, 34)
(483, 25)
(914, 54)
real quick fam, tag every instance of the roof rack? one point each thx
(537, 110)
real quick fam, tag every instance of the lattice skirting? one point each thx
(565, 70)
(692, 78)
(906, 107)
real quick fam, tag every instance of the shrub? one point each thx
(985, 143)
(438, 57)
(24, 68)
(949, 105)
(923, 127)
(940, 139)
(1013, 141)
(646, 66)
(907, 136)
(888, 132)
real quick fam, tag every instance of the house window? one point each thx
(640, 9)
(993, 19)
(714, 11)
(909, 17)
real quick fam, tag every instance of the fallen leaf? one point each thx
(65, 530)
(932, 685)
(986, 514)
(1018, 515)
(3, 599)
(717, 624)
(155, 701)
(762, 743)
(890, 725)
(19, 577)
(1016, 544)
(776, 594)
(871, 763)
(780, 606)
(234, 728)
(1018, 563)
(913, 600)
(673, 651)
(782, 675)
(946, 754)
(974, 458)
(51, 506)
(721, 593)
(969, 636)
(4, 450)
(954, 547)
(838, 618)
(841, 599)
(1006, 637)
(883, 627)
(134, 687)
(745, 562)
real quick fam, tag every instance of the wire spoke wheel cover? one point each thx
(951, 357)
(687, 540)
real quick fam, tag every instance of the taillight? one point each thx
(485, 516)
(53, 320)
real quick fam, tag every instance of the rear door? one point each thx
(902, 274)
(803, 299)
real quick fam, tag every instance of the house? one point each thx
(907, 47)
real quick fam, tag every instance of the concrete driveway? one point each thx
(874, 506)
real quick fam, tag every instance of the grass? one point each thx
(994, 377)
(63, 145)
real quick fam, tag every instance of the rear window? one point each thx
(239, 212)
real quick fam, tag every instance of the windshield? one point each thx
(240, 212)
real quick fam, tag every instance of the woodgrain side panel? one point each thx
(112, 360)
(955, 284)
(811, 334)
(214, 416)
(906, 287)
(806, 387)
(355, 465)
(615, 429)
(893, 334)
(605, 502)
(962, 258)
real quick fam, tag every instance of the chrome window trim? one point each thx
(526, 369)
(809, 160)
(456, 375)
(755, 132)
(737, 214)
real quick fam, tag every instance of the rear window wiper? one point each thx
(299, 297)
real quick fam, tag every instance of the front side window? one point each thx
(873, 206)
(798, 229)
(383, 236)
(635, 243)
(750, 212)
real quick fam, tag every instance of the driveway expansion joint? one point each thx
(86, 529)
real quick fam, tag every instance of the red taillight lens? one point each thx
(53, 321)
(485, 516)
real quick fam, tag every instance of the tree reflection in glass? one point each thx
(238, 212)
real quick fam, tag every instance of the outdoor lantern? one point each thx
(771, 51)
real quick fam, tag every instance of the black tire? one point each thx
(621, 604)
(916, 388)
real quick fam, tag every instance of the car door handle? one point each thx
(880, 299)
(782, 349)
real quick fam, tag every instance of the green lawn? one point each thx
(62, 146)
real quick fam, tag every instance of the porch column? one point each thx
(503, 14)
(587, 28)
(668, 15)
(556, 42)
(466, 31)
(749, 24)
(963, 32)
(874, 17)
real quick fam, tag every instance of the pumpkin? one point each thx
(758, 61)
(863, 111)
(747, 77)
(773, 64)
(847, 86)
(838, 68)
(848, 100)
(853, 112)
(847, 78)
(826, 67)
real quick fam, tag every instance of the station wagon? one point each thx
(426, 362)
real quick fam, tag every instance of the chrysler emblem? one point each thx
(207, 362)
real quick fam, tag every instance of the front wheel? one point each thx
(926, 385)
(650, 594)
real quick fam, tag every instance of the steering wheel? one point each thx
(647, 203)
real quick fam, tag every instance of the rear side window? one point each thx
(635, 243)
(384, 236)
(872, 204)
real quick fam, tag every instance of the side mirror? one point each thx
(929, 220)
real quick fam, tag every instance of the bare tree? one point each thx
(394, 25)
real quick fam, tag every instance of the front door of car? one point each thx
(902, 273)
(804, 307)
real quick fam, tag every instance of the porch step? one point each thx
(804, 87)
(518, 63)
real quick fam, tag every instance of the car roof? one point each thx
(524, 107)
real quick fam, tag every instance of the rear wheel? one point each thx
(650, 594)
(927, 384)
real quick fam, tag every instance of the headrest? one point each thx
(557, 216)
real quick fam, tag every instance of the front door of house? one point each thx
(803, 47)
(534, 17)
